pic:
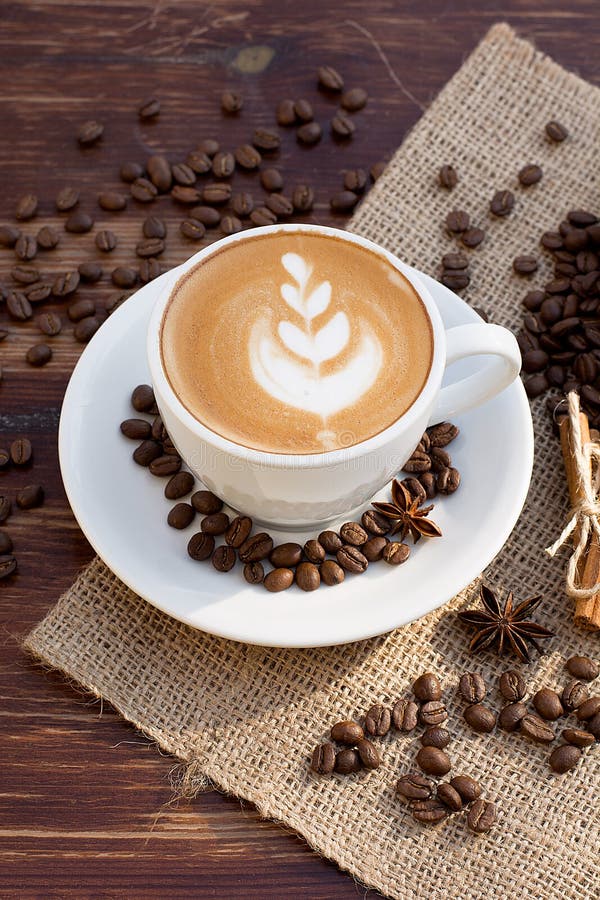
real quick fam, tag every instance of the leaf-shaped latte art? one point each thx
(297, 267)
(318, 301)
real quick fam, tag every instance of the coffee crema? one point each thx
(296, 343)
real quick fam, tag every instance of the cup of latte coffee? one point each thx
(297, 366)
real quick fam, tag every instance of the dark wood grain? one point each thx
(85, 802)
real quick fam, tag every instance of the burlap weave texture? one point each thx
(247, 717)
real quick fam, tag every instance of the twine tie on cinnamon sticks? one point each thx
(582, 463)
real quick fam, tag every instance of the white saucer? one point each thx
(122, 510)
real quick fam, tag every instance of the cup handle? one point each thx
(473, 390)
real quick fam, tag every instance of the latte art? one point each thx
(296, 343)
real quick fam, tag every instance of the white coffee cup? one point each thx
(299, 491)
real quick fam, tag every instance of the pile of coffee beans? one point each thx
(17, 458)
(326, 559)
(430, 466)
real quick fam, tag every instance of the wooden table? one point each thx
(85, 805)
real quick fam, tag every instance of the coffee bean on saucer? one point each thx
(547, 704)
(480, 718)
(38, 355)
(577, 737)
(331, 573)
(206, 502)
(449, 796)
(472, 687)
(323, 759)
(223, 559)
(238, 530)
(142, 398)
(147, 451)
(231, 102)
(307, 576)
(433, 761)
(502, 203)
(286, 555)
(254, 573)
(377, 720)
(314, 552)
(278, 579)
(574, 694)
(481, 817)
(448, 177)
(256, 548)
(414, 786)
(415, 489)
(285, 113)
(201, 545)
(179, 484)
(30, 496)
(583, 667)
(537, 729)
(419, 462)
(405, 715)
(330, 541)
(530, 174)
(353, 533)
(347, 761)
(374, 547)
(351, 559)
(447, 480)
(309, 133)
(427, 687)
(26, 208)
(585, 712)
(436, 736)
(556, 132)
(564, 758)
(395, 553)
(511, 716)
(215, 523)
(181, 515)
(375, 523)
(433, 712)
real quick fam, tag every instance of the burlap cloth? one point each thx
(247, 717)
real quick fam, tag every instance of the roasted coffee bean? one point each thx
(147, 451)
(183, 174)
(66, 199)
(535, 361)
(375, 523)
(323, 759)
(201, 546)
(217, 523)
(456, 281)
(223, 164)
(66, 284)
(303, 109)
(38, 355)
(351, 559)
(481, 817)
(198, 162)
(206, 215)
(564, 758)
(192, 229)
(288, 555)
(143, 190)
(286, 113)
(355, 180)
(583, 667)
(47, 237)
(433, 761)
(448, 480)
(279, 204)
(472, 237)
(455, 261)
(266, 140)
(181, 515)
(418, 462)
(4, 458)
(547, 704)
(303, 198)
(577, 737)
(154, 227)
(254, 573)
(457, 221)
(186, 195)
(440, 458)
(179, 484)
(433, 712)
(581, 218)
(262, 215)
(347, 732)
(405, 715)
(149, 270)
(112, 201)
(18, 306)
(26, 208)
(574, 694)
(90, 271)
(556, 132)
(167, 465)
(510, 716)
(79, 222)
(209, 146)
(278, 580)
(369, 754)
(331, 573)
(80, 309)
(593, 726)
(5, 507)
(429, 812)
(307, 576)
(238, 531)
(353, 533)
(24, 274)
(314, 551)
(150, 247)
(449, 796)
(530, 174)
(230, 224)
(347, 761)
(414, 786)
(536, 385)
(480, 718)
(586, 711)
(124, 276)
(537, 729)
(427, 687)
(502, 203)
(90, 132)
(223, 559)
(129, 171)
(330, 541)
(374, 547)
(377, 720)
(8, 566)
(354, 99)
(21, 451)
(436, 736)
(206, 502)
(330, 79)
(49, 324)
(309, 133)
(149, 109)
(159, 172)
(342, 125)
(6, 546)
(395, 553)
(468, 789)
(242, 204)
(9, 235)
(533, 300)
(86, 329)
(231, 102)
(142, 398)
(525, 265)
(26, 248)
(256, 548)
(448, 177)
(343, 201)
(442, 434)
(472, 687)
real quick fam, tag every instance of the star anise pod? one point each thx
(508, 626)
(405, 513)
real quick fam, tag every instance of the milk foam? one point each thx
(288, 365)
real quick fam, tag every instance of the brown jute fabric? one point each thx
(247, 717)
